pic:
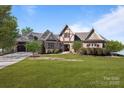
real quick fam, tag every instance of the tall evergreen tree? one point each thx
(8, 28)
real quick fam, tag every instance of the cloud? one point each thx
(109, 25)
(79, 28)
(112, 25)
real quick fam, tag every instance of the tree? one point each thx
(26, 30)
(77, 45)
(114, 46)
(8, 28)
(33, 47)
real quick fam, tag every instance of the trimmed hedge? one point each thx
(94, 51)
(53, 51)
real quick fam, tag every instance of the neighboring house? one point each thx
(63, 41)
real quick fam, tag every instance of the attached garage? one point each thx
(21, 47)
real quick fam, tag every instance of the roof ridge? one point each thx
(48, 35)
(81, 32)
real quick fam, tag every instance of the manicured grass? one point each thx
(91, 72)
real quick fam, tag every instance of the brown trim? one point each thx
(91, 32)
(66, 26)
(67, 41)
(94, 41)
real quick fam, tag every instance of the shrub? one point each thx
(52, 50)
(82, 51)
(56, 50)
(94, 51)
(99, 51)
(114, 46)
(42, 50)
(33, 47)
(88, 51)
(77, 45)
(105, 52)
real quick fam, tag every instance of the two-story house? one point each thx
(63, 41)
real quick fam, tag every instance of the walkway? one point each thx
(55, 58)
(13, 58)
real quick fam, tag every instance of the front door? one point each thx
(66, 47)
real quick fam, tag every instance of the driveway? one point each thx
(13, 58)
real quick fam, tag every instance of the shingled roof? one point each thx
(34, 34)
(47, 35)
(82, 35)
(85, 35)
(22, 39)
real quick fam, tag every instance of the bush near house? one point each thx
(82, 51)
(53, 51)
(56, 51)
(33, 47)
(42, 50)
(94, 51)
(77, 45)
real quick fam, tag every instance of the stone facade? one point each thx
(64, 41)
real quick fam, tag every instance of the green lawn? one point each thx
(91, 72)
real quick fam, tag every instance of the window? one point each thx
(92, 44)
(97, 45)
(50, 45)
(67, 35)
(88, 45)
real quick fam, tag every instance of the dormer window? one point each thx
(66, 35)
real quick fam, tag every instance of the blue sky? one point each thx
(107, 20)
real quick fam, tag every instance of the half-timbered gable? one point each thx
(94, 40)
(66, 35)
(64, 40)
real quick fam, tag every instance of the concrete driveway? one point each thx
(13, 58)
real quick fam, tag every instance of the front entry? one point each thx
(66, 47)
(21, 47)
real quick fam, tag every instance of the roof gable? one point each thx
(51, 37)
(82, 35)
(31, 35)
(94, 36)
(65, 28)
(47, 35)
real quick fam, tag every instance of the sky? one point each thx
(107, 20)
